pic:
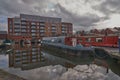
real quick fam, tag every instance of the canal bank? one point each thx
(77, 59)
(7, 76)
(52, 71)
(58, 72)
(113, 52)
(32, 62)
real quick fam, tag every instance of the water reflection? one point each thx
(24, 56)
(29, 57)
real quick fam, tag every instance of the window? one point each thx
(23, 22)
(33, 30)
(63, 28)
(54, 30)
(63, 31)
(53, 24)
(23, 30)
(42, 24)
(42, 27)
(42, 30)
(10, 22)
(88, 39)
(23, 26)
(10, 30)
(79, 40)
(53, 27)
(17, 23)
(16, 26)
(10, 26)
(17, 34)
(33, 34)
(17, 30)
(23, 19)
(33, 27)
(99, 40)
(33, 23)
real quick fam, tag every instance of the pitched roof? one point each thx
(114, 30)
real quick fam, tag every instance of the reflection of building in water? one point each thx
(23, 56)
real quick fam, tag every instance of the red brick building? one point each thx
(35, 27)
(95, 31)
(3, 35)
(111, 31)
(107, 31)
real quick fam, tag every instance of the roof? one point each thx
(3, 32)
(39, 18)
(112, 29)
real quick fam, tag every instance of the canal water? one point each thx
(25, 60)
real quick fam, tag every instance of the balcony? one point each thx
(33, 31)
(33, 27)
(33, 24)
(42, 23)
(54, 30)
(17, 30)
(23, 27)
(42, 27)
(17, 27)
(23, 30)
(16, 23)
(23, 23)
(41, 31)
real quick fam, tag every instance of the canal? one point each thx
(25, 60)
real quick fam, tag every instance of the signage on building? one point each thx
(74, 42)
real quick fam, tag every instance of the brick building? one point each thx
(96, 31)
(66, 29)
(111, 31)
(3, 35)
(35, 27)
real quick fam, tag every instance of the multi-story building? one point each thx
(66, 29)
(35, 27)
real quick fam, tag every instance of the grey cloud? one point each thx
(28, 1)
(3, 27)
(12, 8)
(108, 7)
(85, 20)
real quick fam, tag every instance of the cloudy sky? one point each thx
(84, 14)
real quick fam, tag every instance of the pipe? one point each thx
(119, 44)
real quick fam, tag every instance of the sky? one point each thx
(84, 14)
